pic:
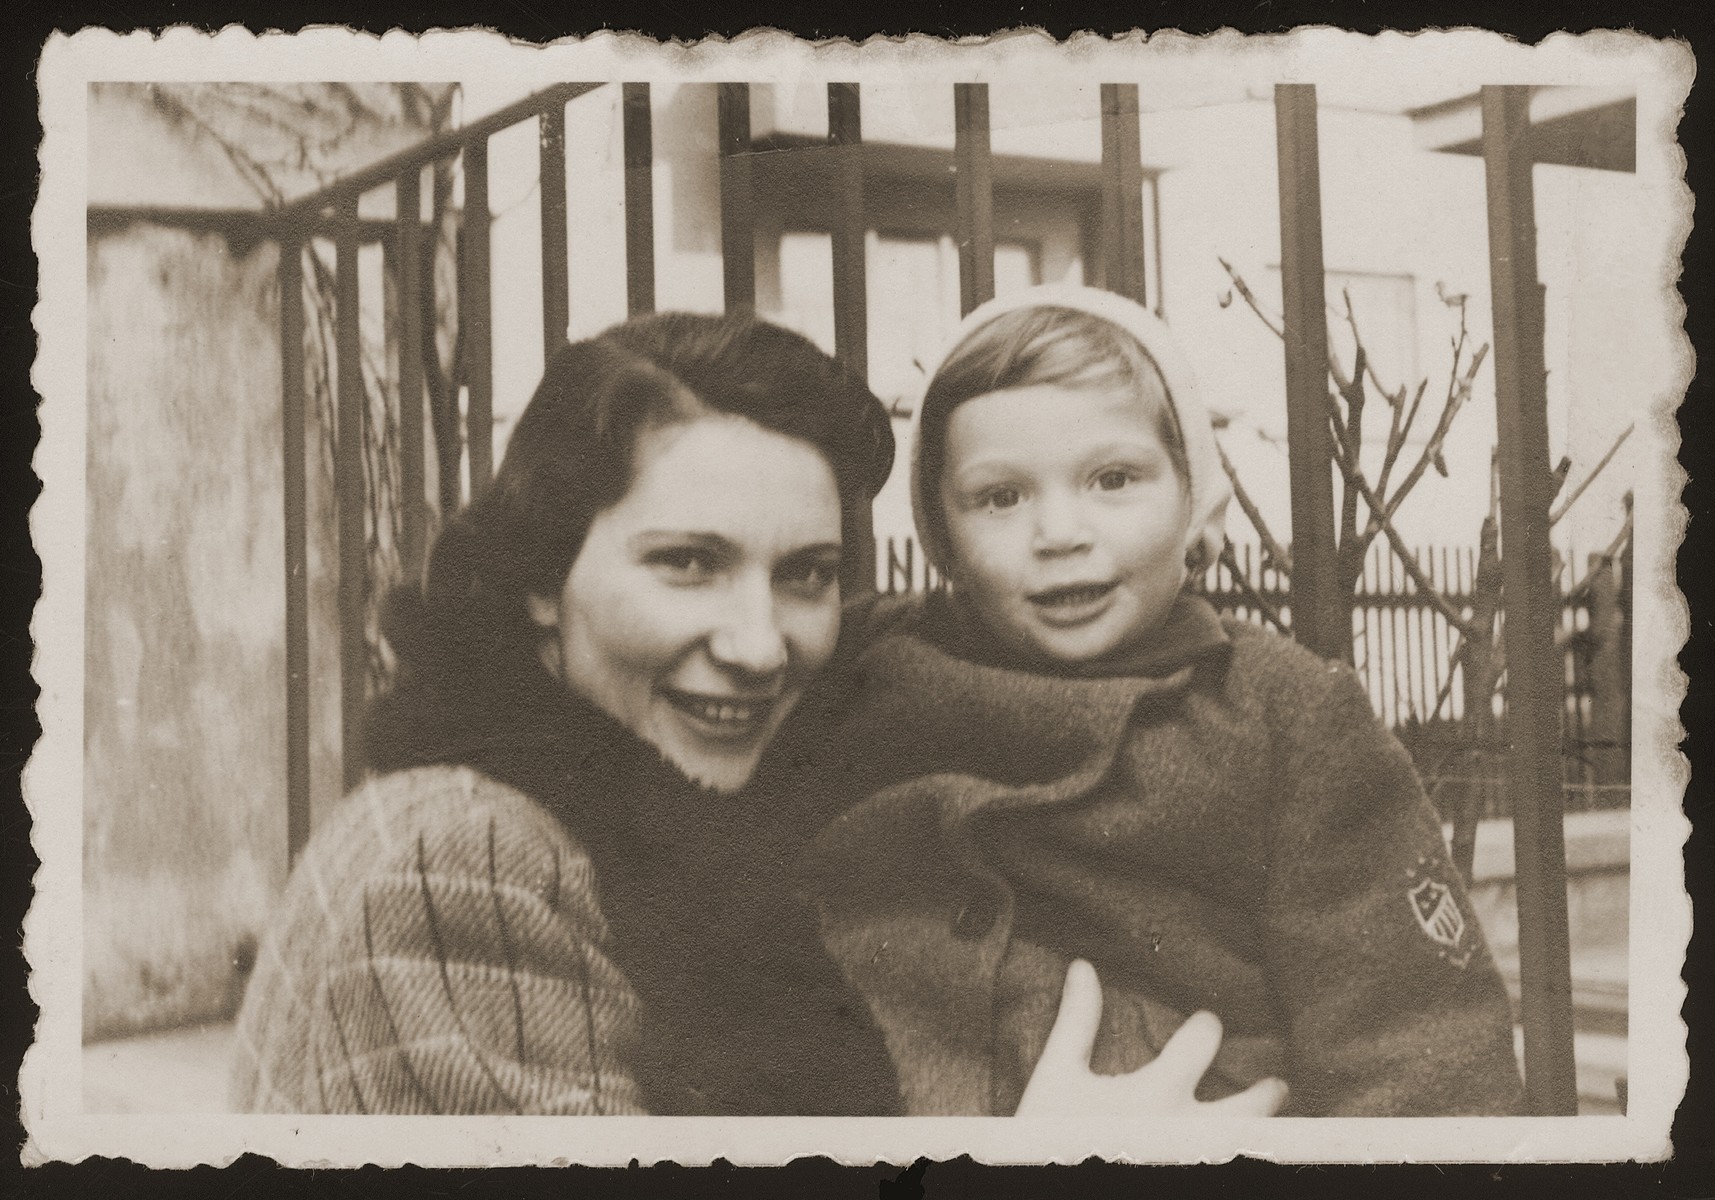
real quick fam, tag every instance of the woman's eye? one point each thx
(684, 563)
(811, 579)
(1114, 479)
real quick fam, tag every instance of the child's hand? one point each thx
(1063, 1083)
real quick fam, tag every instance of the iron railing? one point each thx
(1536, 692)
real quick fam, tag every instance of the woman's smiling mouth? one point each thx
(1073, 604)
(723, 717)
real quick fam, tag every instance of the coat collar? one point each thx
(1192, 634)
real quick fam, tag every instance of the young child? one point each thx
(1071, 755)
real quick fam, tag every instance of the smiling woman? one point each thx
(564, 891)
(704, 601)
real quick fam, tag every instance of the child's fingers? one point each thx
(1190, 1050)
(1261, 1099)
(1074, 1033)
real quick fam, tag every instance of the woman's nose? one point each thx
(1061, 527)
(748, 637)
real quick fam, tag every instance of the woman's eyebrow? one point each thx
(653, 538)
(819, 550)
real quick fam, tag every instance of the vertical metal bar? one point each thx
(348, 483)
(851, 312)
(1155, 229)
(1122, 192)
(1534, 670)
(296, 506)
(1315, 586)
(851, 309)
(413, 502)
(1438, 628)
(475, 309)
(973, 183)
(1425, 654)
(738, 204)
(639, 199)
(556, 287)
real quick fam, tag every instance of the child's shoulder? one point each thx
(1289, 679)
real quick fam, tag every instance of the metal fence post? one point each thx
(556, 287)
(738, 204)
(1122, 192)
(352, 412)
(475, 310)
(412, 485)
(638, 136)
(1534, 668)
(973, 184)
(296, 504)
(851, 300)
(1316, 603)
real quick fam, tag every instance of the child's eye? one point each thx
(684, 564)
(1000, 498)
(1115, 478)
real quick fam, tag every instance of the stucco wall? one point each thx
(184, 774)
(184, 805)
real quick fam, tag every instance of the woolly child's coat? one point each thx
(1227, 828)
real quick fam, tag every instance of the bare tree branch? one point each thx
(1607, 556)
(1459, 392)
(1277, 554)
(1355, 479)
(1565, 505)
(1276, 326)
(1250, 590)
(1397, 434)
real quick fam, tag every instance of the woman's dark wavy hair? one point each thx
(572, 454)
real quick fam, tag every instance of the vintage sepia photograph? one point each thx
(1012, 598)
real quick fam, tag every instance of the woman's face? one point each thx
(704, 601)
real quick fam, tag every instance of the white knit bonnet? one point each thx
(1207, 483)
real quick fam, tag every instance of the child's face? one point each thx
(1066, 521)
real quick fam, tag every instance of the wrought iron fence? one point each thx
(333, 213)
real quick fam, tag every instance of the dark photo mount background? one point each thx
(1692, 1173)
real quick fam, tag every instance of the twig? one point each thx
(1561, 509)
(1281, 559)
(1402, 430)
(1355, 479)
(1453, 658)
(1244, 290)
(1607, 556)
(1352, 442)
(1368, 368)
(1458, 393)
(1249, 589)
(1398, 432)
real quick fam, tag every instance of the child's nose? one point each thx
(1061, 527)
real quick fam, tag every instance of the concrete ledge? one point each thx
(1595, 841)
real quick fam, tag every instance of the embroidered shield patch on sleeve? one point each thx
(1439, 917)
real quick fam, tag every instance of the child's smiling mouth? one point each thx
(1072, 604)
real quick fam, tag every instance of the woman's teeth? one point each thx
(722, 712)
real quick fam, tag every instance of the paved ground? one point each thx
(184, 1071)
(180, 1071)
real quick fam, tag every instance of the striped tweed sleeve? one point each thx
(440, 950)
